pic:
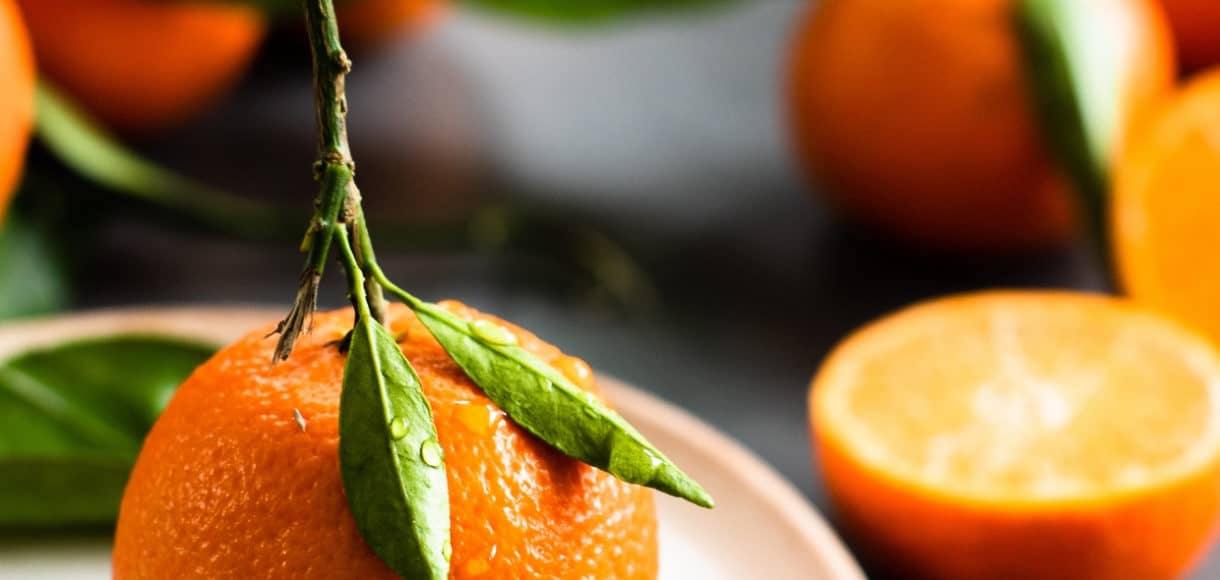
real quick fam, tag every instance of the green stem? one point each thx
(338, 200)
(384, 281)
(367, 260)
(355, 274)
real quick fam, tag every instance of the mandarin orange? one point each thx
(16, 100)
(915, 116)
(142, 66)
(1045, 435)
(373, 22)
(1166, 205)
(1196, 30)
(229, 485)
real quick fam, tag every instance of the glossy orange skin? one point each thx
(1196, 29)
(367, 23)
(229, 486)
(143, 66)
(16, 100)
(915, 116)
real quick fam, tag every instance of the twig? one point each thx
(338, 199)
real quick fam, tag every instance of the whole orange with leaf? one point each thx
(16, 100)
(142, 66)
(917, 116)
(230, 485)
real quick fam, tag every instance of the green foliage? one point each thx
(545, 403)
(32, 275)
(72, 419)
(1076, 77)
(390, 458)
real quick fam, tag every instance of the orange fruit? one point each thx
(143, 66)
(1023, 435)
(1196, 29)
(373, 22)
(228, 485)
(915, 116)
(1166, 207)
(16, 100)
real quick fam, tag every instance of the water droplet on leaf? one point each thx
(430, 452)
(492, 333)
(398, 428)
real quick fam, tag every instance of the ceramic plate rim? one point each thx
(223, 323)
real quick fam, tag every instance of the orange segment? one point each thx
(994, 435)
(1166, 209)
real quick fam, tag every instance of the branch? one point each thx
(338, 199)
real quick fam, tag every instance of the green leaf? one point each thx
(547, 404)
(1076, 60)
(588, 11)
(72, 419)
(390, 458)
(87, 149)
(32, 277)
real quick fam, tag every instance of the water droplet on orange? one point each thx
(477, 567)
(576, 370)
(478, 418)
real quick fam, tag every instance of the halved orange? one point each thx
(1023, 435)
(1166, 208)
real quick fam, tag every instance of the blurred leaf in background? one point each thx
(33, 279)
(72, 419)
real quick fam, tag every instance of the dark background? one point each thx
(667, 135)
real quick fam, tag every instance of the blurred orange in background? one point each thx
(1166, 208)
(1196, 28)
(916, 117)
(142, 66)
(374, 22)
(1046, 435)
(16, 100)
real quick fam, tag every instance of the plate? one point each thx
(761, 527)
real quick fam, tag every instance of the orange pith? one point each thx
(915, 116)
(229, 486)
(1166, 207)
(1024, 435)
(142, 66)
(16, 100)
